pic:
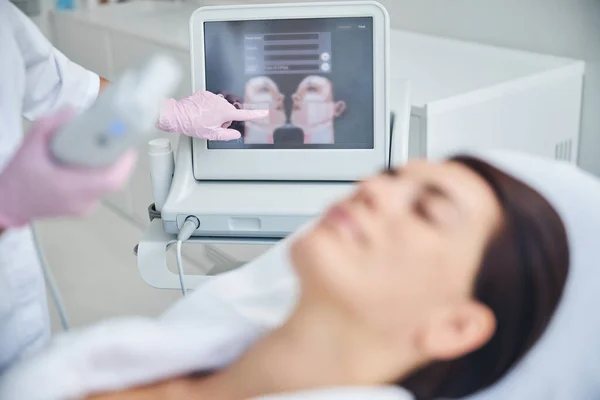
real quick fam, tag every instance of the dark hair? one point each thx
(521, 279)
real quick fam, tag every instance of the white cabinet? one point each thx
(468, 95)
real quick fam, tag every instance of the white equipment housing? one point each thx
(259, 196)
(269, 193)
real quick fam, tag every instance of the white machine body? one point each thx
(120, 117)
(243, 209)
(268, 191)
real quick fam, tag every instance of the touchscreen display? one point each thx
(314, 75)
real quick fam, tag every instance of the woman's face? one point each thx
(405, 246)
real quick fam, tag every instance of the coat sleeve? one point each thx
(52, 80)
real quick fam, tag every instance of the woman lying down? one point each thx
(430, 281)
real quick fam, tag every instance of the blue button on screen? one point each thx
(117, 128)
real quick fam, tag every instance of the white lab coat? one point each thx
(35, 80)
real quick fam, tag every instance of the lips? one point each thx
(345, 223)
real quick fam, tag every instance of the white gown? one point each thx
(35, 79)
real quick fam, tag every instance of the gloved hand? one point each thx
(33, 186)
(204, 115)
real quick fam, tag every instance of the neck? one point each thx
(314, 349)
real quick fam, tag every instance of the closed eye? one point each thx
(437, 207)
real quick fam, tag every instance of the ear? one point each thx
(457, 331)
(339, 108)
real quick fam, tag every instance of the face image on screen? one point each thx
(315, 76)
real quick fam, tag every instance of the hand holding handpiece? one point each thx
(120, 118)
(67, 162)
(35, 186)
(205, 115)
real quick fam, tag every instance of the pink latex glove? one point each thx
(33, 186)
(204, 115)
